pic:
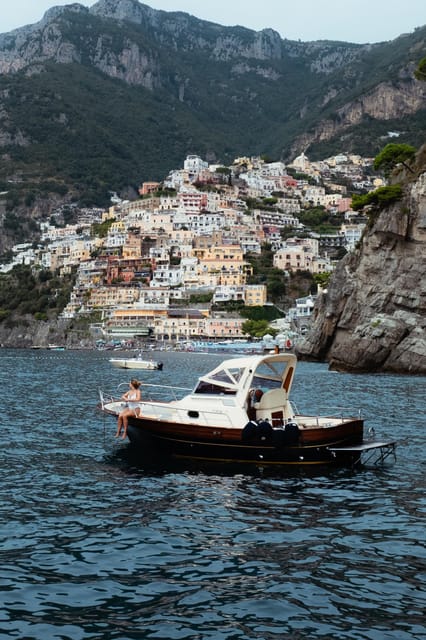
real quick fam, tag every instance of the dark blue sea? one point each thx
(98, 545)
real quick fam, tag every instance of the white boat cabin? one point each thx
(258, 385)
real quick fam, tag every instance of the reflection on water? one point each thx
(99, 544)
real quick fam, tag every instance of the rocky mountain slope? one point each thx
(373, 315)
(100, 97)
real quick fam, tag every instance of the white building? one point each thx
(301, 163)
(273, 169)
(301, 255)
(194, 165)
(204, 222)
(352, 233)
(225, 293)
(115, 239)
(176, 179)
(302, 309)
(258, 183)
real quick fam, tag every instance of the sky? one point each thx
(359, 21)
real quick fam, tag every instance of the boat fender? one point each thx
(257, 432)
(287, 435)
(279, 438)
(250, 432)
(265, 431)
(292, 432)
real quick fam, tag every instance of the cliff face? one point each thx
(29, 333)
(373, 315)
(347, 84)
(112, 43)
(387, 101)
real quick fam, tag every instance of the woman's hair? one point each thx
(135, 383)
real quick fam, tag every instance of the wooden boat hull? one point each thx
(270, 447)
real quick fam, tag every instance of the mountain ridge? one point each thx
(99, 98)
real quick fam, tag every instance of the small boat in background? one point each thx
(136, 362)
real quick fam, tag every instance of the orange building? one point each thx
(148, 187)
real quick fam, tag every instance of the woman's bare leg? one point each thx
(119, 425)
(125, 425)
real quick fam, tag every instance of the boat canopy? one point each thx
(240, 375)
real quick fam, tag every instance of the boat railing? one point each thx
(321, 413)
(162, 392)
(152, 392)
(106, 398)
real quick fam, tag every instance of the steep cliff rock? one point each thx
(295, 95)
(112, 50)
(373, 315)
(387, 101)
(27, 333)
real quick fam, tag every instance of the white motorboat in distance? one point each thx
(136, 362)
(241, 412)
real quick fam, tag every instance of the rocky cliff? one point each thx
(332, 87)
(386, 102)
(29, 333)
(373, 315)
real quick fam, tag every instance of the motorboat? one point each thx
(241, 411)
(136, 362)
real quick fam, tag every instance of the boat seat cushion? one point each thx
(273, 399)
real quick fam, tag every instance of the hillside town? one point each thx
(141, 262)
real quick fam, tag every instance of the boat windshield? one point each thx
(269, 375)
(222, 381)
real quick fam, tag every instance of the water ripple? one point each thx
(96, 545)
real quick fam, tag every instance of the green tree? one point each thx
(379, 199)
(322, 279)
(420, 72)
(101, 229)
(271, 201)
(268, 313)
(394, 154)
(276, 288)
(257, 328)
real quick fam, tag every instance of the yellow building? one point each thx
(255, 295)
(231, 278)
(79, 252)
(108, 297)
(108, 215)
(227, 261)
(133, 246)
(117, 226)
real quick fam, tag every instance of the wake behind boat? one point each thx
(136, 362)
(241, 412)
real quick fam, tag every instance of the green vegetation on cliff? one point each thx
(24, 291)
